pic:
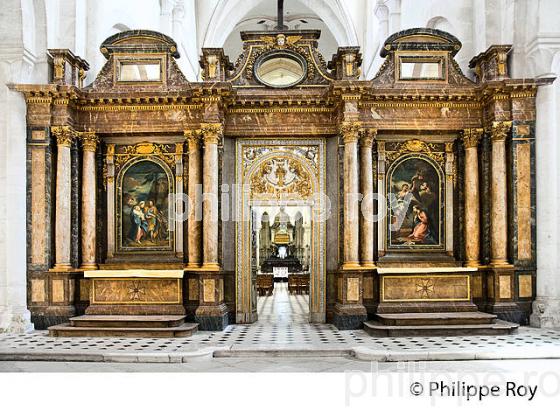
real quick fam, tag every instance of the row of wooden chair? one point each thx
(298, 283)
(265, 284)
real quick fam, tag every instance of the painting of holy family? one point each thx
(144, 207)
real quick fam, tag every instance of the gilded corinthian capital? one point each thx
(471, 137)
(212, 132)
(193, 138)
(368, 136)
(89, 141)
(350, 131)
(500, 130)
(63, 134)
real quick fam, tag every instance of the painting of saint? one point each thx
(144, 219)
(415, 204)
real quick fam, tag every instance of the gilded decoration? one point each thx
(418, 288)
(89, 141)
(500, 130)
(281, 42)
(367, 137)
(429, 149)
(146, 150)
(64, 135)
(212, 132)
(303, 44)
(280, 177)
(135, 291)
(350, 131)
(425, 288)
(471, 137)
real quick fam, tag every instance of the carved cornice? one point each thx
(63, 134)
(471, 137)
(500, 130)
(211, 132)
(367, 137)
(89, 141)
(350, 131)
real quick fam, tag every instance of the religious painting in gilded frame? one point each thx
(143, 207)
(415, 186)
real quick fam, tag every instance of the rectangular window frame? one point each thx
(419, 58)
(138, 60)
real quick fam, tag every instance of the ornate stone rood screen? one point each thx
(452, 159)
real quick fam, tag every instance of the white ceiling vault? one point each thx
(230, 17)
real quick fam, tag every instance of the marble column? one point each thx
(498, 213)
(63, 223)
(211, 313)
(366, 179)
(194, 225)
(349, 311)
(89, 206)
(179, 199)
(350, 132)
(471, 138)
(382, 205)
(211, 134)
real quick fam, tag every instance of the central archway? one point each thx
(272, 172)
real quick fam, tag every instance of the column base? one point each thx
(546, 313)
(349, 316)
(351, 266)
(15, 320)
(368, 265)
(62, 267)
(500, 264)
(89, 266)
(210, 267)
(472, 264)
(213, 317)
(192, 265)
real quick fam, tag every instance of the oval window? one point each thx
(280, 69)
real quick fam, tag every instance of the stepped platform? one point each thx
(438, 324)
(154, 326)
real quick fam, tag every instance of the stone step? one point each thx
(445, 318)
(134, 321)
(499, 327)
(66, 330)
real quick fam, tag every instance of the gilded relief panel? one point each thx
(425, 288)
(135, 291)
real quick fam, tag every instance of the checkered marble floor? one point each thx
(282, 323)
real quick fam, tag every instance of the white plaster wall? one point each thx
(18, 51)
